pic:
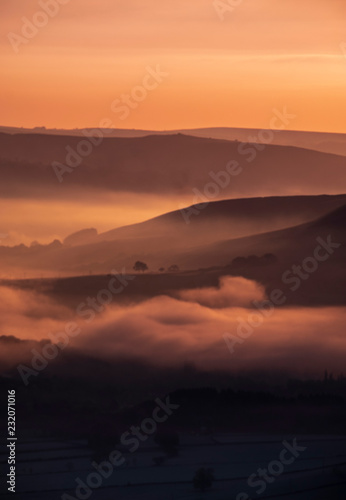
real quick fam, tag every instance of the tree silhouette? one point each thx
(140, 266)
(173, 269)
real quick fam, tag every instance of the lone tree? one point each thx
(203, 479)
(173, 269)
(140, 266)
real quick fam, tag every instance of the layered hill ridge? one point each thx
(319, 141)
(306, 263)
(164, 165)
(220, 232)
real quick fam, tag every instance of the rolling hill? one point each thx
(319, 141)
(163, 165)
(222, 232)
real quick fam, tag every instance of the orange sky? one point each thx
(265, 54)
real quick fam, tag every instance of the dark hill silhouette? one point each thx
(337, 218)
(212, 237)
(206, 263)
(169, 164)
(325, 285)
(319, 141)
(235, 217)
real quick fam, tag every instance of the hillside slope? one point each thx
(162, 165)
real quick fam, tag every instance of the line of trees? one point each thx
(141, 267)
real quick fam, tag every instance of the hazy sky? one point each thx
(264, 54)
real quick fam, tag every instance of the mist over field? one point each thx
(173, 249)
(232, 327)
